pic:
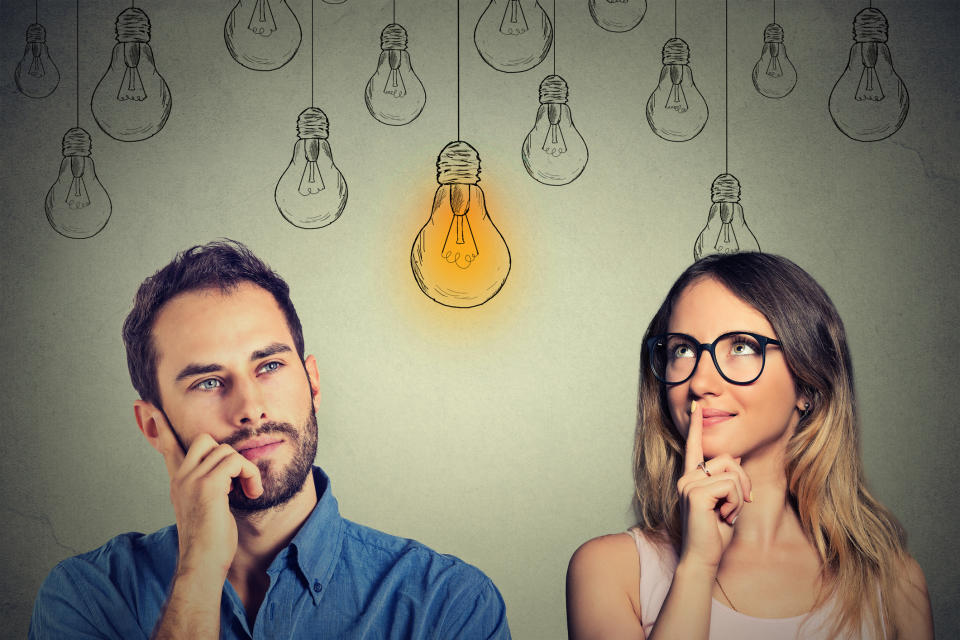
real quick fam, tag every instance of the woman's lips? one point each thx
(715, 416)
(252, 453)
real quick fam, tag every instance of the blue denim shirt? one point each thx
(336, 579)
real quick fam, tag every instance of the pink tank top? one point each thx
(657, 566)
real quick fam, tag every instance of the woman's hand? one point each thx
(712, 494)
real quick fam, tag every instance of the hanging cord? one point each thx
(394, 11)
(774, 11)
(313, 97)
(554, 37)
(726, 93)
(36, 19)
(674, 18)
(78, 62)
(458, 69)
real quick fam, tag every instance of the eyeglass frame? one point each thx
(763, 341)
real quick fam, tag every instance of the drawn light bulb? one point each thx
(774, 75)
(311, 193)
(394, 94)
(459, 258)
(132, 101)
(36, 75)
(262, 35)
(726, 230)
(554, 151)
(869, 101)
(77, 205)
(513, 35)
(676, 110)
(617, 15)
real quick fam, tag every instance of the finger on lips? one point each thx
(694, 446)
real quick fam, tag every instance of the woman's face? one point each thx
(740, 420)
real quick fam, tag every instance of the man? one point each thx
(215, 350)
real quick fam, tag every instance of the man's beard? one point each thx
(279, 485)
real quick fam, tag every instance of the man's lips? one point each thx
(252, 449)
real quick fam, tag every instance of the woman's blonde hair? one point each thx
(860, 543)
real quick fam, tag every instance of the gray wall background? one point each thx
(500, 434)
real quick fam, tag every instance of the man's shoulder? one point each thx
(132, 549)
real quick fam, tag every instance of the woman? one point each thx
(754, 521)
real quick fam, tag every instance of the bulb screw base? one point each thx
(554, 90)
(133, 25)
(725, 188)
(676, 51)
(870, 25)
(773, 33)
(36, 33)
(76, 142)
(313, 123)
(393, 36)
(458, 163)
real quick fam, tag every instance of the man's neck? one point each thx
(260, 537)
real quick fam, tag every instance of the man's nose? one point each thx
(247, 406)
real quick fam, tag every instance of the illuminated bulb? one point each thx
(554, 151)
(36, 75)
(311, 193)
(77, 205)
(394, 94)
(262, 34)
(676, 110)
(869, 101)
(774, 75)
(513, 35)
(617, 15)
(459, 258)
(726, 230)
(132, 101)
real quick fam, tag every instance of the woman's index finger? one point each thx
(694, 449)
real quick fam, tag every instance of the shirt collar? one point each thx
(317, 544)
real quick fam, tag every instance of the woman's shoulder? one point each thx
(603, 587)
(911, 602)
(606, 554)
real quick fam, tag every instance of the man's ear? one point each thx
(313, 376)
(147, 415)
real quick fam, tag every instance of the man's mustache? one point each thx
(266, 427)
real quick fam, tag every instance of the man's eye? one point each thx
(209, 384)
(270, 366)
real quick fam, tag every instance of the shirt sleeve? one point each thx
(78, 601)
(478, 613)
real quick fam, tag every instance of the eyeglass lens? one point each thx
(739, 357)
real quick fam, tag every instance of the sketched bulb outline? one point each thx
(676, 110)
(394, 94)
(869, 102)
(554, 152)
(726, 230)
(77, 205)
(513, 35)
(311, 192)
(774, 75)
(617, 15)
(132, 100)
(262, 35)
(36, 75)
(459, 258)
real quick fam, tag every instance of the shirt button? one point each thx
(317, 587)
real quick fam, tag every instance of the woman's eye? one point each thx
(270, 366)
(683, 351)
(743, 349)
(209, 384)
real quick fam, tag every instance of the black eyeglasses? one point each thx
(739, 356)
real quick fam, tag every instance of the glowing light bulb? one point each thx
(554, 151)
(77, 205)
(869, 101)
(262, 35)
(774, 75)
(36, 75)
(394, 93)
(617, 15)
(726, 230)
(676, 110)
(311, 193)
(513, 35)
(459, 258)
(132, 101)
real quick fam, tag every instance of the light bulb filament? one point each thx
(514, 21)
(131, 87)
(311, 181)
(77, 197)
(773, 69)
(463, 250)
(676, 99)
(36, 65)
(727, 240)
(261, 20)
(869, 87)
(395, 86)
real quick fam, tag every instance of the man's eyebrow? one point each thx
(266, 352)
(197, 369)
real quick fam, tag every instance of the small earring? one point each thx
(805, 411)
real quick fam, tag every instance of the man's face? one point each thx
(227, 366)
